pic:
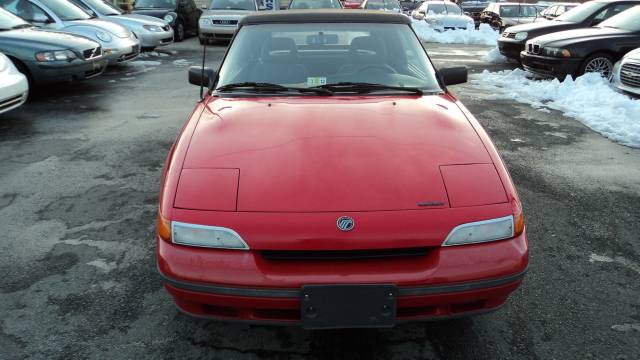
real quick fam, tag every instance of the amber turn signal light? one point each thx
(163, 228)
(518, 219)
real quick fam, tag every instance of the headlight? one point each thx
(152, 28)
(205, 21)
(103, 36)
(481, 231)
(169, 18)
(555, 52)
(206, 236)
(521, 36)
(62, 55)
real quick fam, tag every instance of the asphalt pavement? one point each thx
(79, 178)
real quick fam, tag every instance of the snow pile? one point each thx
(590, 99)
(495, 57)
(485, 35)
(145, 63)
(182, 62)
(153, 54)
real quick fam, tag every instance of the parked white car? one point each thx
(14, 87)
(443, 15)
(118, 43)
(626, 73)
(219, 21)
(151, 31)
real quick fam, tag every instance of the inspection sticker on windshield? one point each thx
(316, 81)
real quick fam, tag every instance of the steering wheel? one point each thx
(380, 67)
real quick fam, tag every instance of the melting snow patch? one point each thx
(626, 327)
(618, 259)
(103, 265)
(590, 99)
(182, 62)
(495, 57)
(485, 35)
(145, 63)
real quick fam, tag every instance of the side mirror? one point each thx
(199, 76)
(453, 75)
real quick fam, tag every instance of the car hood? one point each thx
(568, 37)
(158, 13)
(105, 25)
(543, 27)
(214, 13)
(45, 40)
(633, 55)
(136, 20)
(318, 154)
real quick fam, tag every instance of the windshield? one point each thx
(66, 10)
(581, 12)
(103, 7)
(9, 21)
(315, 4)
(233, 5)
(155, 4)
(436, 9)
(626, 20)
(511, 11)
(315, 54)
(389, 5)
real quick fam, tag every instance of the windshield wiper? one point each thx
(362, 87)
(268, 87)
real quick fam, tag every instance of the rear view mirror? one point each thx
(453, 75)
(199, 76)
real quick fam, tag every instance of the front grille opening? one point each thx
(466, 307)
(343, 255)
(277, 314)
(417, 311)
(220, 311)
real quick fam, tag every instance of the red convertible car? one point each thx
(329, 179)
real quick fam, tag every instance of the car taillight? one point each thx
(163, 228)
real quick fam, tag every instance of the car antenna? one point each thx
(204, 55)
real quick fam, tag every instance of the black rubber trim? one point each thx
(295, 293)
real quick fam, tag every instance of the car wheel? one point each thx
(598, 63)
(179, 35)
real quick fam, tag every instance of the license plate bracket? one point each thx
(348, 306)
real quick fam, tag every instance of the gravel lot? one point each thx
(80, 169)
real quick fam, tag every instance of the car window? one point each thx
(155, 4)
(508, 11)
(582, 12)
(66, 10)
(26, 10)
(436, 9)
(308, 55)
(528, 11)
(102, 7)
(611, 11)
(315, 4)
(8, 20)
(453, 9)
(627, 20)
(233, 5)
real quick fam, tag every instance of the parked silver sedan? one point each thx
(151, 31)
(220, 19)
(443, 15)
(626, 73)
(118, 43)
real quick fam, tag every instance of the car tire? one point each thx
(598, 62)
(179, 32)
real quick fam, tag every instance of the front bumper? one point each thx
(510, 48)
(14, 90)
(59, 72)
(550, 67)
(151, 40)
(121, 50)
(244, 286)
(221, 32)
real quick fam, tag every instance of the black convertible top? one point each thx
(324, 16)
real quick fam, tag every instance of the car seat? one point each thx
(279, 63)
